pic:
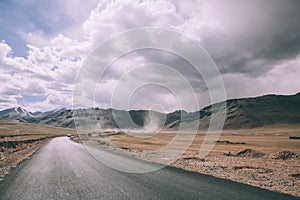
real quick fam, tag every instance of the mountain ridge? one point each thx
(240, 113)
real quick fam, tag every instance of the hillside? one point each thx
(251, 112)
(240, 113)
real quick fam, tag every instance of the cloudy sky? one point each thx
(43, 45)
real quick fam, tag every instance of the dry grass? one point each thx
(263, 171)
(267, 139)
(9, 129)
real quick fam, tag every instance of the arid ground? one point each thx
(265, 157)
(20, 140)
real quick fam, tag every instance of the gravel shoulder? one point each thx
(265, 172)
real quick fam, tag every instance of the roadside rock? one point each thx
(250, 153)
(247, 153)
(286, 155)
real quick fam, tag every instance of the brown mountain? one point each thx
(240, 113)
(250, 112)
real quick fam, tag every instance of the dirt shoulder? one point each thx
(265, 172)
(11, 156)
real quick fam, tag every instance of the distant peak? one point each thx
(19, 109)
(59, 109)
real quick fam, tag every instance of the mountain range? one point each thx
(240, 113)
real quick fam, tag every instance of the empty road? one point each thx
(63, 169)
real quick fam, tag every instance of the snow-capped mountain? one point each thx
(16, 113)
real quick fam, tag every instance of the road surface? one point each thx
(63, 169)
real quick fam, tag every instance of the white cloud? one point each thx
(239, 36)
(52, 63)
(119, 16)
(5, 51)
(41, 70)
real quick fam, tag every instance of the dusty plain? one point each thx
(264, 157)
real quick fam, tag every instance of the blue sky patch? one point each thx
(31, 99)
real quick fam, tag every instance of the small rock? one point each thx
(286, 155)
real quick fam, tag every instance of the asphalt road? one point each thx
(63, 169)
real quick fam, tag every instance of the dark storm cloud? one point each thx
(253, 36)
(168, 59)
